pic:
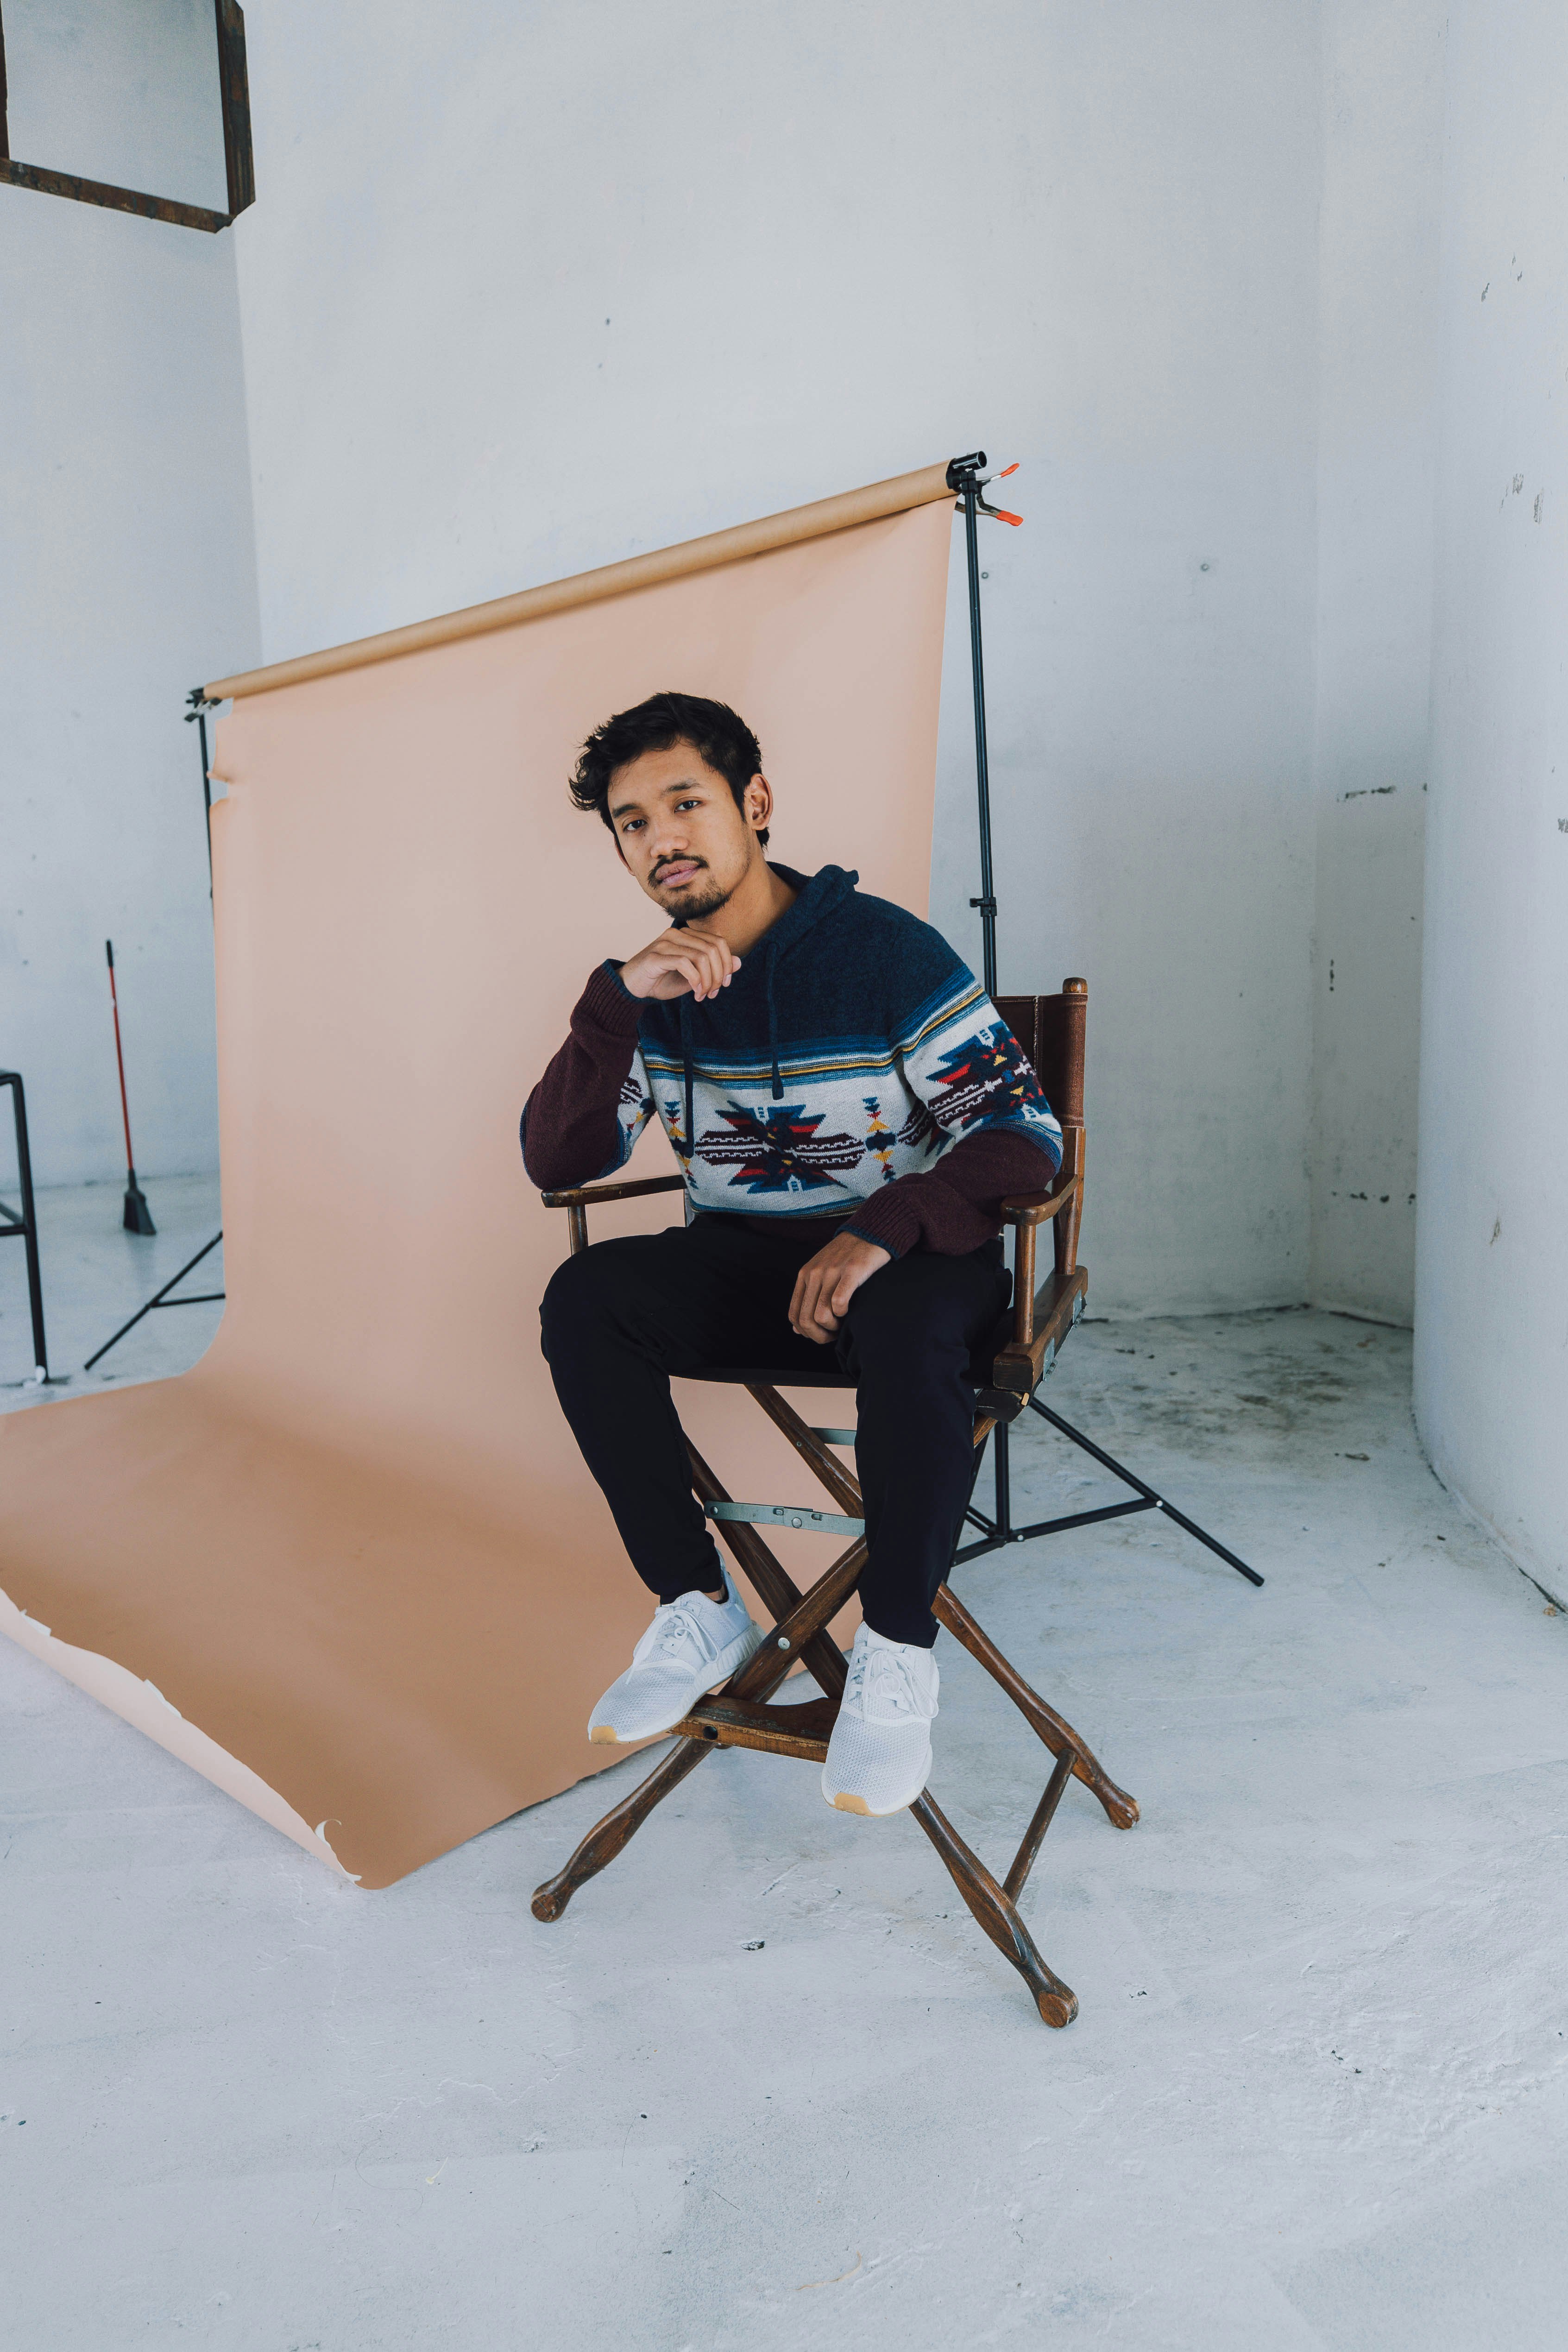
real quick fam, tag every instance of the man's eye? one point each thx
(631, 824)
(694, 802)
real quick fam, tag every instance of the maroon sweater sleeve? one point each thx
(957, 1205)
(571, 1132)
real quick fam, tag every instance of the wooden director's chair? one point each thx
(1022, 1349)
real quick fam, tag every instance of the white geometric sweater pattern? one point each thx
(852, 1115)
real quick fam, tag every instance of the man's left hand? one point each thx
(826, 1284)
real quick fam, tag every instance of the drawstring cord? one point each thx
(687, 1061)
(769, 964)
(772, 958)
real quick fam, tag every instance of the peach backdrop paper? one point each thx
(351, 1566)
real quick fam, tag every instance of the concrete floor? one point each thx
(766, 2083)
(96, 1276)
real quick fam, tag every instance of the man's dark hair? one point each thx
(718, 735)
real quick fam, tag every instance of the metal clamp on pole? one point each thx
(964, 474)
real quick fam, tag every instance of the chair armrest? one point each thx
(579, 1196)
(1039, 1208)
(1028, 1211)
(1018, 1368)
(575, 1199)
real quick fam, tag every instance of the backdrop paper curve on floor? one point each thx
(354, 1552)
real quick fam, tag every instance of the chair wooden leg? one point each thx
(775, 1587)
(841, 1484)
(1034, 1836)
(997, 1914)
(1057, 1734)
(800, 1624)
(758, 1678)
(606, 1838)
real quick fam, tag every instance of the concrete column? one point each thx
(1492, 1328)
(1376, 465)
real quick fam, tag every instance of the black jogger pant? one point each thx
(621, 1316)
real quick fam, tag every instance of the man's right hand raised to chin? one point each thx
(680, 959)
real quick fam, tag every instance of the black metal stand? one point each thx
(161, 1298)
(200, 708)
(1000, 1530)
(964, 476)
(967, 478)
(25, 1227)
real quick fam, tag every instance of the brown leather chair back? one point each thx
(1051, 1030)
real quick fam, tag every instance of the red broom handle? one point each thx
(124, 1107)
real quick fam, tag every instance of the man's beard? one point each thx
(702, 901)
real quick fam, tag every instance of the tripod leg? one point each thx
(1002, 1463)
(156, 1300)
(1158, 1500)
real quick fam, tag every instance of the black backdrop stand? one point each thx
(25, 1228)
(967, 478)
(199, 708)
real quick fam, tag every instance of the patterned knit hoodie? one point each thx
(853, 1069)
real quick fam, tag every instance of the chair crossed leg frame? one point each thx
(740, 1716)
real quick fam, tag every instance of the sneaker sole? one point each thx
(728, 1662)
(845, 1804)
(845, 1801)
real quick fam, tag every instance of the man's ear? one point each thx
(757, 805)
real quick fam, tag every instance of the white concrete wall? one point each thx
(1492, 1328)
(125, 91)
(1376, 468)
(529, 289)
(128, 574)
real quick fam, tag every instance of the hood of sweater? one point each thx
(753, 988)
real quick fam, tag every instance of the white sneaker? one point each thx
(693, 1645)
(879, 1757)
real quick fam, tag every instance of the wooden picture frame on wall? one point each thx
(234, 96)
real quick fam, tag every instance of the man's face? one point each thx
(680, 832)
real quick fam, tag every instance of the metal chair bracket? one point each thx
(786, 1515)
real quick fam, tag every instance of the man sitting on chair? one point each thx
(848, 1111)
